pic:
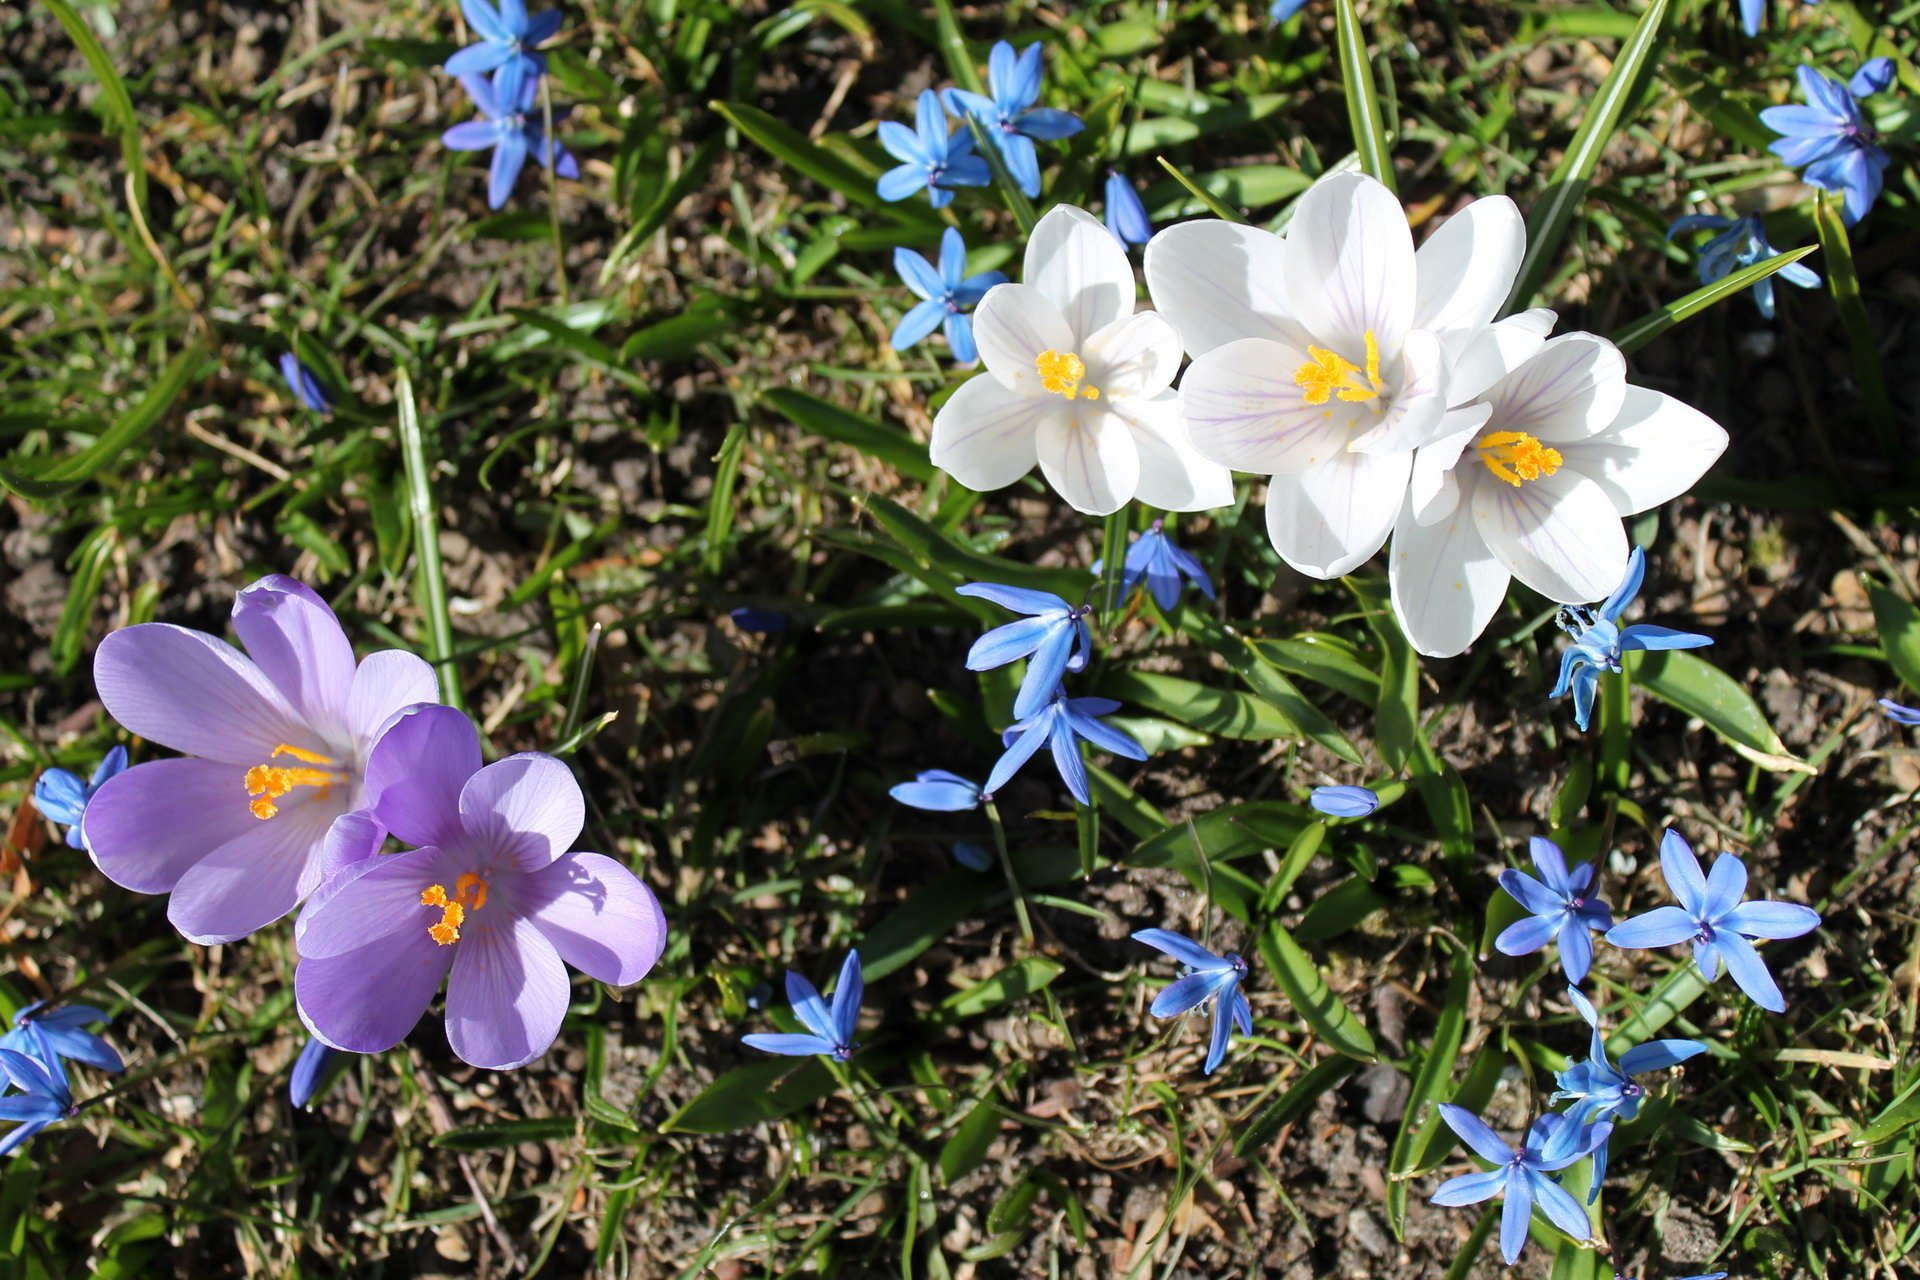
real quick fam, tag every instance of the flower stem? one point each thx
(1013, 881)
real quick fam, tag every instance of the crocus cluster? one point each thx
(510, 125)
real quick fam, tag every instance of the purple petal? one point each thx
(1660, 927)
(1682, 871)
(367, 999)
(1766, 919)
(598, 915)
(417, 771)
(193, 693)
(527, 806)
(507, 994)
(252, 880)
(1473, 1131)
(293, 637)
(148, 827)
(1750, 971)
(380, 900)
(387, 683)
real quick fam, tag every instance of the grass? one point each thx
(575, 433)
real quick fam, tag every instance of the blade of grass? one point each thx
(1844, 283)
(1214, 207)
(953, 46)
(1648, 327)
(1363, 99)
(1017, 203)
(431, 577)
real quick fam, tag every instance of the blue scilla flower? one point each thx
(930, 157)
(1741, 242)
(1522, 1176)
(45, 1097)
(938, 791)
(62, 796)
(1053, 637)
(1155, 559)
(512, 131)
(1126, 216)
(1830, 140)
(306, 386)
(1713, 916)
(1599, 640)
(62, 1034)
(758, 621)
(831, 1029)
(1344, 802)
(947, 294)
(509, 41)
(1753, 11)
(1599, 1090)
(1281, 10)
(1207, 977)
(1009, 119)
(1560, 905)
(309, 1070)
(1908, 716)
(1061, 725)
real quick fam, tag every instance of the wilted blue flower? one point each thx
(758, 621)
(1060, 724)
(1126, 216)
(62, 797)
(1899, 714)
(832, 1031)
(1552, 1144)
(1830, 139)
(1599, 640)
(948, 293)
(309, 1069)
(929, 156)
(508, 40)
(60, 1034)
(1281, 10)
(1741, 243)
(938, 791)
(1155, 559)
(973, 855)
(1206, 977)
(1053, 637)
(1009, 119)
(1344, 802)
(305, 385)
(1560, 905)
(1599, 1090)
(1714, 918)
(512, 131)
(45, 1097)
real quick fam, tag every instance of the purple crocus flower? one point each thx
(490, 900)
(830, 1031)
(275, 743)
(509, 39)
(1713, 917)
(60, 1034)
(1560, 905)
(1552, 1144)
(512, 130)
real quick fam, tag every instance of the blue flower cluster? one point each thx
(33, 1057)
(509, 126)
(1829, 138)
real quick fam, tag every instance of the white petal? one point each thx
(1653, 452)
(1079, 266)
(1434, 488)
(1419, 400)
(1136, 356)
(1446, 584)
(1244, 411)
(1331, 519)
(1090, 459)
(1568, 390)
(1467, 267)
(984, 434)
(1013, 324)
(1173, 475)
(1559, 534)
(1478, 358)
(1350, 267)
(1218, 282)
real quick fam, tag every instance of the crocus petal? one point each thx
(417, 770)
(1446, 584)
(1726, 886)
(295, 640)
(1467, 267)
(985, 436)
(1562, 1210)
(1136, 356)
(1219, 282)
(788, 1044)
(1514, 1215)
(1014, 326)
(1244, 410)
(1559, 534)
(1473, 1131)
(149, 826)
(1749, 971)
(193, 693)
(1470, 1188)
(1653, 451)
(1660, 927)
(1173, 475)
(1330, 519)
(528, 806)
(1524, 937)
(1770, 919)
(1349, 265)
(1658, 1055)
(386, 683)
(1089, 457)
(1190, 992)
(1183, 949)
(1682, 870)
(1419, 408)
(1572, 388)
(366, 999)
(1074, 263)
(507, 994)
(257, 877)
(598, 915)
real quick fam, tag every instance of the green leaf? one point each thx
(961, 564)
(1436, 1071)
(964, 1152)
(1268, 682)
(1017, 981)
(1294, 1103)
(693, 176)
(1208, 201)
(1363, 101)
(1217, 711)
(1843, 282)
(1547, 223)
(868, 435)
(1648, 327)
(506, 1134)
(64, 474)
(1156, 134)
(1312, 998)
(1250, 186)
(114, 104)
(1894, 1119)
(1325, 659)
(1899, 625)
(1670, 999)
(794, 150)
(90, 563)
(1698, 688)
(1340, 909)
(751, 1095)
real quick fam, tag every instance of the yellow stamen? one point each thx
(469, 894)
(1061, 373)
(1514, 456)
(268, 782)
(1329, 375)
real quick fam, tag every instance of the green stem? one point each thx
(426, 540)
(1013, 881)
(1113, 556)
(553, 192)
(1616, 731)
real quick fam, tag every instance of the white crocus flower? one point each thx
(1078, 382)
(1534, 488)
(1325, 358)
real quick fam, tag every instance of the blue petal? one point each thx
(1658, 1055)
(1524, 937)
(1045, 124)
(61, 796)
(1066, 758)
(81, 1046)
(1646, 636)
(1470, 1188)
(1019, 750)
(1181, 948)
(1551, 864)
(1473, 1131)
(1126, 215)
(1586, 684)
(1045, 667)
(919, 322)
(1682, 871)
(902, 144)
(477, 59)
(1018, 599)
(919, 275)
(1770, 919)
(1750, 971)
(965, 169)
(1726, 886)
(308, 1071)
(899, 184)
(953, 258)
(1751, 12)
(960, 343)
(1222, 1032)
(1023, 162)
(963, 103)
(1874, 76)
(1660, 927)
(937, 791)
(1629, 587)
(1908, 716)
(1190, 992)
(808, 1006)
(930, 123)
(509, 157)
(848, 991)
(1576, 949)
(542, 27)
(792, 1046)
(1561, 1209)
(1343, 802)
(1104, 736)
(1531, 894)
(1009, 643)
(1514, 1215)
(1697, 222)
(111, 766)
